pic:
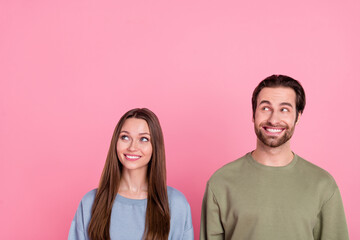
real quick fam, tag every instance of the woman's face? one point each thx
(134, 147)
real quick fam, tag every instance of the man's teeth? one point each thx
(273, 130)
(132, 157)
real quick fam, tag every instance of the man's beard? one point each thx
(272, 141)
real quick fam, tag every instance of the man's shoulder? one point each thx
(314, 172)
(228, 170)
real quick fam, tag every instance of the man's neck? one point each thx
(270, 156)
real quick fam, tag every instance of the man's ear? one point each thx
(298, 118)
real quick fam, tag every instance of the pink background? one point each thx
(70, 68)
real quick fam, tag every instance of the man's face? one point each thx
(275, 115)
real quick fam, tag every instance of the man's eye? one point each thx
(144, 139)
(284, 110)
(266, 108)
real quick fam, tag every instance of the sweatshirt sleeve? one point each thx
(211, 226)
(331, 220)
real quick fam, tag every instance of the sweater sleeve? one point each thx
(211, 227)
(77, 229)
(331, 220)
(189, 230)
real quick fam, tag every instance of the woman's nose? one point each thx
(132, 146)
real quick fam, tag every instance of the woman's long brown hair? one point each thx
(157, 220)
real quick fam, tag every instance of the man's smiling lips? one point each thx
(273, 130)
(132, 157)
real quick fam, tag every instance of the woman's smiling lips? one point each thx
(132, 157)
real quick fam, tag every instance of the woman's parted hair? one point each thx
(157, 220)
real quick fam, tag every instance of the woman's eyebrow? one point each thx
(145, 133)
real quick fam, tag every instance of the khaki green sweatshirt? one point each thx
(245, 200)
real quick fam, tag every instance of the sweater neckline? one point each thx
(256, 164)
(130, 201)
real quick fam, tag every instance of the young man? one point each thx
(272, 193)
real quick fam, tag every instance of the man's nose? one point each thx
(274, 118)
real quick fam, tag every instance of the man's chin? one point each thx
(273, 141)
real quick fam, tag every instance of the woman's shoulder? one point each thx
(181, 222)
(82, 216)
(176, 197)
(88, 198)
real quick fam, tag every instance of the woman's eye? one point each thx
(284, 110)
(266, 108)
(144, 139)
(124, 137)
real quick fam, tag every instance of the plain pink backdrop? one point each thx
(70, 68)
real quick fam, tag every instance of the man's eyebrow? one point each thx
(286, 104)
(281, 104)
(265, 102)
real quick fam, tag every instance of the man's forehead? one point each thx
(277, 95)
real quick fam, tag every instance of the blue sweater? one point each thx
(128, 217)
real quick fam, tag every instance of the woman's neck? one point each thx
(134, 183)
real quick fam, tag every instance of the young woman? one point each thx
(133, 201)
